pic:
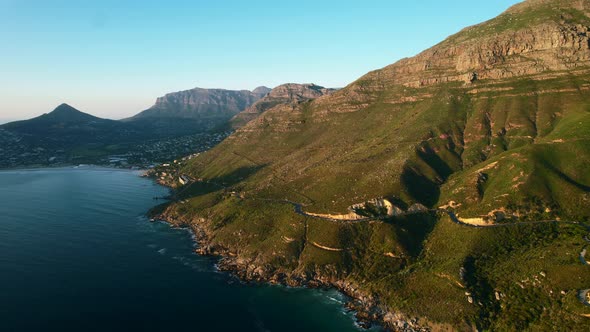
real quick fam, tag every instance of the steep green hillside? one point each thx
(494, 120)
(385, 135)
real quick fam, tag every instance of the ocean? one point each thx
(78, 254)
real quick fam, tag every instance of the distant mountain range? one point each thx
(283, 95)
(67, 129)
(206, 104)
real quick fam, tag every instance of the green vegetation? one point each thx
(523, 16)
(515, 146)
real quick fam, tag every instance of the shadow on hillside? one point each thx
(435, 162)
(412, 231)
(221, 183)
(567, 178)
(224, 184)
(420, 188)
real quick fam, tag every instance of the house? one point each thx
(183, 179)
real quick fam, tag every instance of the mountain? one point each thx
(193, 119)
(68, 136)
(65, 125)
(492, 123)
(203, 104)
(436, 119)
(261, 91)
(285, 95)
(196, 110)
(65, 113)
(64, 135)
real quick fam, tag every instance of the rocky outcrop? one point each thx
(283, 95)
(261, 91)
(534, 37)
(378, 207)
(299, 92)
(204, 103)
(368, 308)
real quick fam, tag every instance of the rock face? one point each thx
(203, 103)
(299, 92)
(286, 94)
(533, 37)
(508, 47)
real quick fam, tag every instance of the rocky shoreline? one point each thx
(368, 309)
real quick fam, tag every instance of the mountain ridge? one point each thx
(66, 134)
(281, 96)
(490, 125)
(201, 103)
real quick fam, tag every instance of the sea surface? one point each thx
(78, 254)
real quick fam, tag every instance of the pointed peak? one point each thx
(62, 108)
(65, 112)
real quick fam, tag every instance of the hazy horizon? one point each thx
(113, 59)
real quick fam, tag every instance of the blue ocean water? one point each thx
(77, 254)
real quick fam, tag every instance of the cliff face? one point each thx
(203, 103)
(535, 37)
(299, 92)
(554, 46)
(286, 95)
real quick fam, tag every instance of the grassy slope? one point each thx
(522, 144)
(534, 268)
(337, 160)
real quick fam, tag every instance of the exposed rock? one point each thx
(261, 91)
(502, 48)
(417, 208)
(283, 95)
(378, 207)
(203, 103)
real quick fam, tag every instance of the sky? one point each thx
(113, 58)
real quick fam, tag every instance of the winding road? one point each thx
(298, 208)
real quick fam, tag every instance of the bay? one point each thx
(78, 254)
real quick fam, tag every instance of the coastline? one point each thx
(71, 167)
(368, 310)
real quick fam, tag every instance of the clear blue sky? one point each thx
(112, 58)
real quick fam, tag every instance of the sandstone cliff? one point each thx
(286, 95)
(203, 103)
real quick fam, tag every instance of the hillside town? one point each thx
(15, 152)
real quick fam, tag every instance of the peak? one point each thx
(299, 86)
(547, 7)
(576, 4)
(528, 15)
(305, 90)
(65, 112)
(262, 90)
(531, 38)
(65, 108)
